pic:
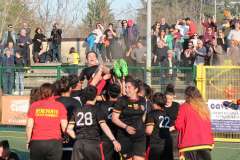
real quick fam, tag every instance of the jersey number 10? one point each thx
(85, 119)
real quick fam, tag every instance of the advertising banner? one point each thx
(14, 110)
(224, 119)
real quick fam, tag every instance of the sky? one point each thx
(125, 9)
(122, 9)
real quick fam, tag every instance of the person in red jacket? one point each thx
(195, 140)
(192, 27)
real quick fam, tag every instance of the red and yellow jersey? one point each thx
(47, 115)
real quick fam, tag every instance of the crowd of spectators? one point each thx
(173, 45)
(189, 47)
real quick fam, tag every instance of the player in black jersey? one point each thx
(76, 88)
(87, 121)
(128, 116)
(95, 74)
(157, 126)
(172, 108)
(114, 91)
(63, 88)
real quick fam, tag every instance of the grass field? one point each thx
(16, 137)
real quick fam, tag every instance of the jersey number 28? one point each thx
(85, 119)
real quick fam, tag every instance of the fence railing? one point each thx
(213, 82)
(219, 82)
(34, 76)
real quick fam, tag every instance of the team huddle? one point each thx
(115, 118)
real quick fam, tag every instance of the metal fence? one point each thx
(223, 83)
(219, 82)
(213, 82)
(180, 76)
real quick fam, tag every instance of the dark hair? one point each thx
(56, 88)
(4, 144)
(36, 30)
(10, 25)
(192, 92)
(114, 90)
(159, 99)
(135, 83)
(46, 90)
(90, 93)
(220, 42)
(73, 80)
(147, 90)
(97, 24)
(110, 24)
(63, 85)
(170, 89)
(72, 50)
(187, 19)
(124, 20)
(91, 52)
(35, 95)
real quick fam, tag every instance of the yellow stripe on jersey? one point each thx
(71, 122)
(116, 111)
(102, 121)
(149, 124)
(196, 148)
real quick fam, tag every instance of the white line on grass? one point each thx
(12, 137)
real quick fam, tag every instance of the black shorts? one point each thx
(67, 147)
(203, 154)
(87, 149)
(160, 151)
(175, 145)
(108, 150)
(45, 149)
(132, 146)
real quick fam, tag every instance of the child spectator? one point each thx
(19, 74)
(73, 61)
(7, 74)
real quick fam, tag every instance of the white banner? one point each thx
(224, 119)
